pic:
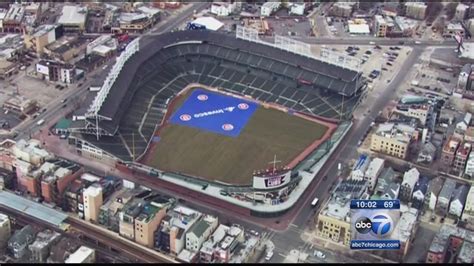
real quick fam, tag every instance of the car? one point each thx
(401, 42)
(253, 232)
(390, 64)
(384, 69)
(417, 42)
(359, 143)
(269, 255)
(319, 254)
(63, 101)
(378, 47)
(64, 105)
(368, 52)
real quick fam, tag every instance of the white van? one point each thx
(315, 202)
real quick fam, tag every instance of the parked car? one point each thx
(319, 254)
(269, 255)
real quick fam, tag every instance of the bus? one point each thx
(315, 202)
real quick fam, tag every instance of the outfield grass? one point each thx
(233, 160)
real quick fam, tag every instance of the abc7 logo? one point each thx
(380, 225)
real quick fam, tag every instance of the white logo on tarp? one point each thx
(243, 106)
(185, 117)
(227, 127)
(214, 112)
(202, 97)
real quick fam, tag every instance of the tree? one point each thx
(451, 10)
(433, 9)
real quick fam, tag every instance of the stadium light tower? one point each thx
(274, 162)
(342, 103)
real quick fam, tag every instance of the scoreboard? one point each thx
(272, 180)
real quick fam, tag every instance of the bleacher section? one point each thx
(265, 73)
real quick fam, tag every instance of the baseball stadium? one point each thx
(213, 109)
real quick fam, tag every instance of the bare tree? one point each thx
(451, 10)
(433, 9)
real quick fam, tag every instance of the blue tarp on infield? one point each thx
(214, 112)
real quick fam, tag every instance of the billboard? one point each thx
(42, 69)
(271, 181)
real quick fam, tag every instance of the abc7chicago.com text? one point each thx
(371, 244)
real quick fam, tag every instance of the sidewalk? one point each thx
(341, 252)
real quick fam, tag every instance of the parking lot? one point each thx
(26, 86)
(372, 57)
(289, 26)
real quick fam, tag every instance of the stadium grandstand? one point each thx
(137, 102)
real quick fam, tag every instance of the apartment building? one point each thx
(392, 139)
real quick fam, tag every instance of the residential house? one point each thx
(461, 158)
(405, 232)
(463, 77)
(373, 171)
(41, 247)
(199, 233)
(410, 178)
(462, 11)
(268, 8)
(434, 188)
(358, 172)
(449, 152)
(427, 153)
(420, 192)
(387, 185)
(469, 171)
(5, 230)
(445, 196)
(171, 234)
(223, 9)
(458, 200)
(468, 214)
(18, 243)
(465, 123)
(207, 251)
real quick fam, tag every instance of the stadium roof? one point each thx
(209, 22)
(156, 44)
